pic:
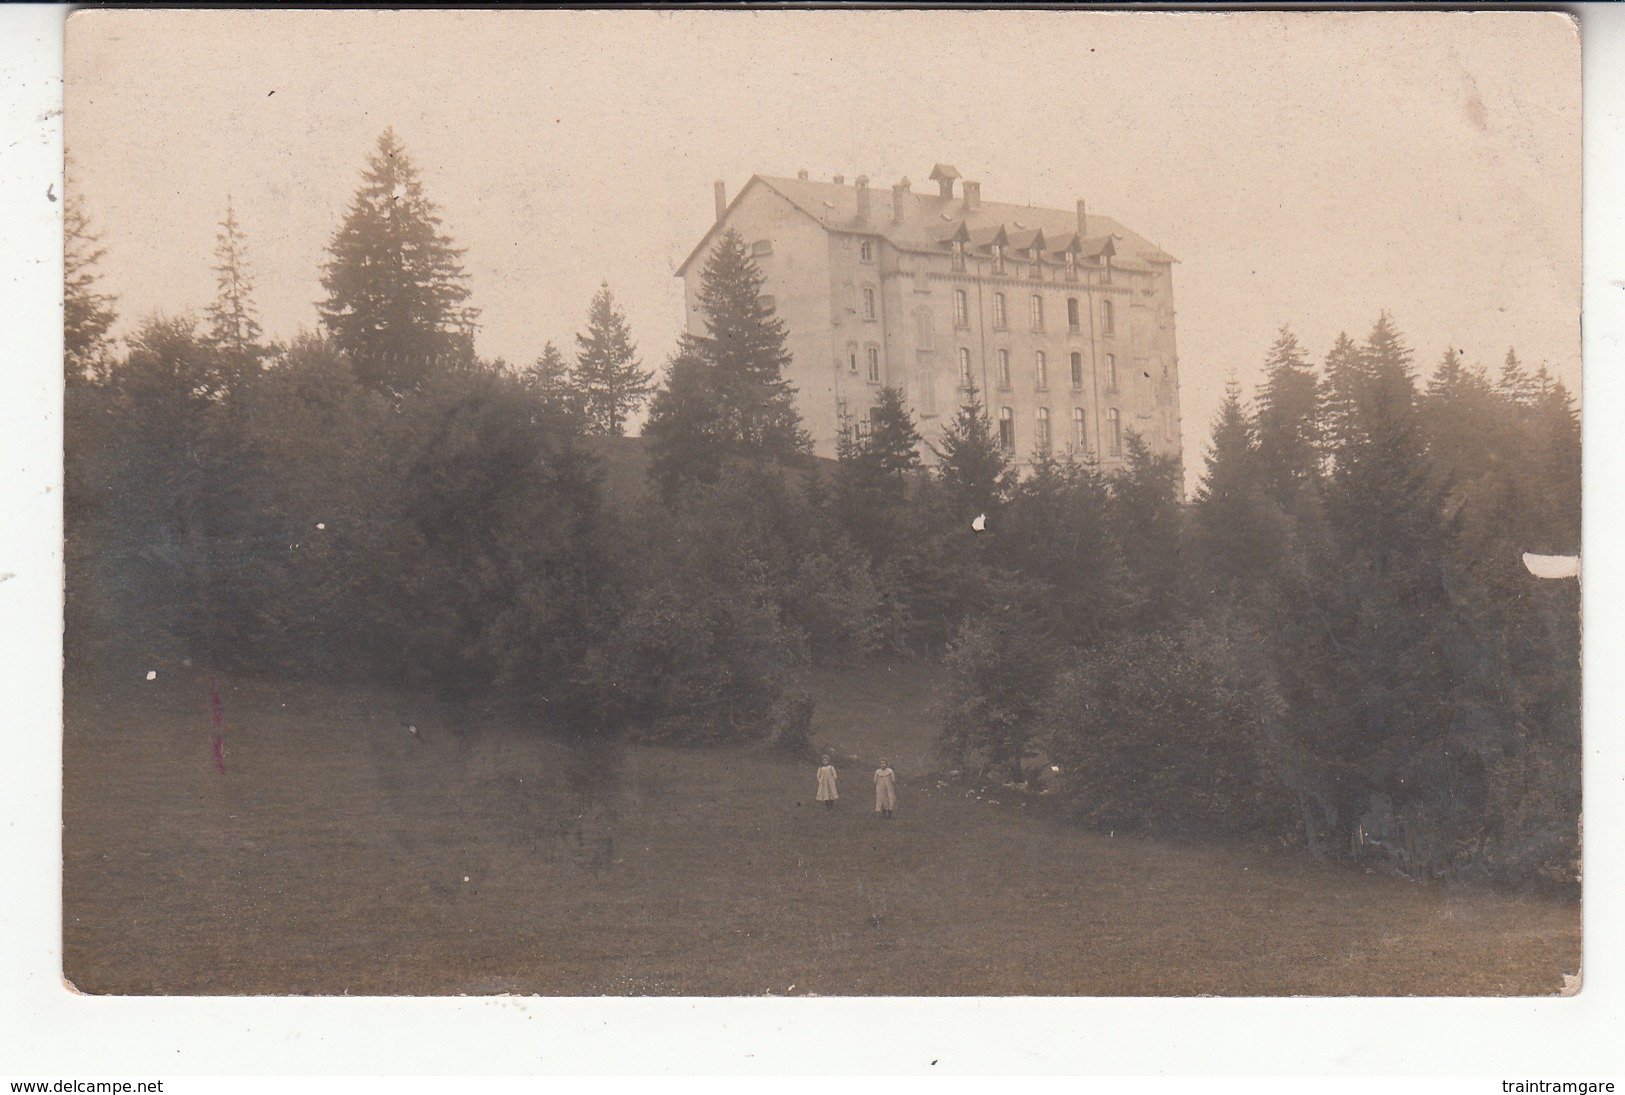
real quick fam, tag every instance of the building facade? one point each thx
(1062, 320)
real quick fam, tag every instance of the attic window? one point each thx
(762, 247)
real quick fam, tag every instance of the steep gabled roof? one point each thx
(931, 222)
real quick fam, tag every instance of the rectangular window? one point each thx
(999, 318)
(925, 387)
(874, 364)
(998, 258)
(1043, 427)
(1007, 429)
(1106, 319)
(1111, 372)
(866, 251)
(1072, 314)
(922, 330)
(868, 303)
(1041, 368)
(1037, 310)
(964, 366)
(959, 255)
(961, 309)
(1080, 436)
(852, 358)
(1004, 370)
(1077, 371)
(1114, 431)
(1105, 269)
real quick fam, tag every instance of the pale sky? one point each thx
(1306, 168)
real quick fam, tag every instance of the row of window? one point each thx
(1001, 317)
(871, 361)
(1040, 369)
(1007, 428)
(1035, 313)
(1080, 435)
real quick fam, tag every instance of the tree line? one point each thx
(1334, 646)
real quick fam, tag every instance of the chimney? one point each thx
(899, 194)
(839, 180)
(945, 187)
(973, 196)
(722, 198)
(1083, 221)
(863, 199)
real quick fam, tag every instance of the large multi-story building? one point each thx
(1063, 320)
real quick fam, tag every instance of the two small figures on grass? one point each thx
(885, 788)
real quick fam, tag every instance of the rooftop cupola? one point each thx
(944, 175)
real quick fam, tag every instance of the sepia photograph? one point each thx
(822, 503)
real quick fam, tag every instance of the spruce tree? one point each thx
(1286, 422)
(1515, 382)
(608, 373)
(233, 320)
(87, 312)
(973, 474)
(725, 394)
(744, 345)
(549, 378)
(396, 291)
(872, 467)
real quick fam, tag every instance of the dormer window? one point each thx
(959, 254)
(998, 258)
(1071, 266)
(1036, 269)
(1105, 269)
(866, 251)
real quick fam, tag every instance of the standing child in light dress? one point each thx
(885, 790)
(826, 785)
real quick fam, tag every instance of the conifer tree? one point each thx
(234, 326)
(549, 377)
(1145, 493)
(396, 291)
(744, 344)
(87, 312)
(725, 394)
(1515, 382)
(872, 469)
(1286, 422)
(973, 474)
(608, 373)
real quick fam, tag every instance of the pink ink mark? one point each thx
(220, 753)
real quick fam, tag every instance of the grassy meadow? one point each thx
(338, 853)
